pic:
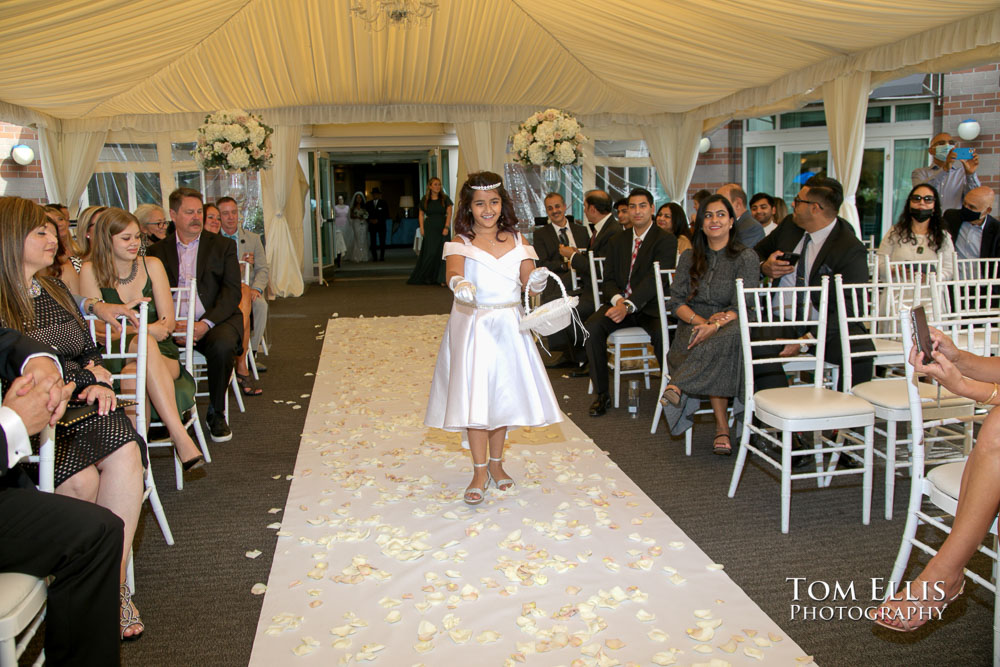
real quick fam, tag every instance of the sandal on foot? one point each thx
(129, 615)
(911, 614)
(475, 495)
(501, 484)
(247, 386)
(720, 448)
(670, 396)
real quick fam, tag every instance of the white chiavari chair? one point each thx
(983, 268)
(249, 355)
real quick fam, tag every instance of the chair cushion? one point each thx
(629, 335)
(891, 393)
(889, 348)
(14, 588)
(810, 403)
(947, 477)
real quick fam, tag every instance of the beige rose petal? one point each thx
(700, 634)
(393, 616)
(590, 650)
(677, 579)
(703, 648)
(658, 635)
(614, 644)
(715, 566)
(754, 653)
(342, 630)
(804, 659)
(703, 613)
(460, 636)
(487, 637)
(750, 633)
(342, 643)
(258, 589)
(426, 631)
(645, 616)
(252, 554)
(729, 647)
(762, 642)
(676, 546)
(664, 658)
(572, 590)
(710, 624)
(423, 647)
(773, 637)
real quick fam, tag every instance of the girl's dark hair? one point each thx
(699, 242)
(678, 219)
(903, 230)
(463, 218)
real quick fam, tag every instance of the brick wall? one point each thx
(722, 164)
(975, 93)
(16, 180)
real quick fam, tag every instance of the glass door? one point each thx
(798, 166)
(870, 198)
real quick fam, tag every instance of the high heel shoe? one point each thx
(129, 615)
(917, 612)
(474, 495)
(193, 464)
(501, 484)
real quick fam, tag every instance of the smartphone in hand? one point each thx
(963, 153)
(922, 333)
(790, 257)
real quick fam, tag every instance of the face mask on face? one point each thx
(941, 152)
(968, 215)
(921, 214)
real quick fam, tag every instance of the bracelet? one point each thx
(693, 316)
(987, 403)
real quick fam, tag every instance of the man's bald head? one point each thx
(979, 200)
(736, 196)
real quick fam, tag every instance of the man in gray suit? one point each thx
(250, 249)
(749, 232)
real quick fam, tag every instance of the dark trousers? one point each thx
(599, 326)
(772, 376)
(377, 240)
(570, 339)
(80, 543)
(220, 346)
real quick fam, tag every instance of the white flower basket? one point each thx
(550, 317)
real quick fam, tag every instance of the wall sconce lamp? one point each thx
(21, 154)
(968, 129)
(704, 145)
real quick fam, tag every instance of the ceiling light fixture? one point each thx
(381, 14)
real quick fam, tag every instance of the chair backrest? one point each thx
(984, 268)
(967, 297)
(663, 279)
(184, 302)
(596, 275)
(117, 349)
(790, 308)
(906, 271)
(246, 268)
(858, 304)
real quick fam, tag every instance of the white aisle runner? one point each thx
(380, 562)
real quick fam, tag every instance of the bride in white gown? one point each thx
(489, 377)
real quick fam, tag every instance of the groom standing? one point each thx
(378, 214)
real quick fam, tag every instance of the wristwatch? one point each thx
(629, 307)
(90, 306)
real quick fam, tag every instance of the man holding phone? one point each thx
(952, 171)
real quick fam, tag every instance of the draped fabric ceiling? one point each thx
(670, 67)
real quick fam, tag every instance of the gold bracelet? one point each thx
(987, 403)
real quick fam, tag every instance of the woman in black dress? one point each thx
(100, 458)
(435, 212)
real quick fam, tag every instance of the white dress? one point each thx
(488, 373)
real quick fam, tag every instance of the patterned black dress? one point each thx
(90, 440)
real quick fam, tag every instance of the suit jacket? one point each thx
(15, 348)
(217, 272)
(749, 232)
(546, 244)
(657, 246)
(599, 247)
(378, 210)
(990, 246)
(260, 274)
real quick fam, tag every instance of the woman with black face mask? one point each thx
(919, 235)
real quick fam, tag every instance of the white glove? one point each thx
(538, 279)
(463, 289)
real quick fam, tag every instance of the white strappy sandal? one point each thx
(502, 484)
(474, 495)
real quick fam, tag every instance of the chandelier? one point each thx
(381, 14)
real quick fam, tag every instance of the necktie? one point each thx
(593, 234)
(800, 275)
(635, 251)
(563, 238)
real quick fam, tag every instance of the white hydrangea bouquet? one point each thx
(549, 138)
(234, 141)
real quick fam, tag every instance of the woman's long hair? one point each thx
(464, 221)
(113, 221)
(678, 219)
(699, 242)
(18, 218)
(442, 196)
(354, 200)
(903, 229)
(82, 222)
(65, 249)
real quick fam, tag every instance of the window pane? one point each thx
(878, 115)
(108, 189)
(906, 112)
(760, 170)
(182, 152)
(601, 181)
(811, 118)
(189, 179)
(147, 188)
(128, 153)
(799, 167)
(869, 194)
(908, 154)
(616, 148)
(762, 124)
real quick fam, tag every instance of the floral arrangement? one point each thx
(549, 138)
(234, 141)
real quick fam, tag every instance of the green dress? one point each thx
(184, 386)
(430, 265)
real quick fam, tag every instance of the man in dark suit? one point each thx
(749, 232)
(378, 214)
(975, 232)
(43, 534)
(218, 329)
(628, 290)
(827, 246)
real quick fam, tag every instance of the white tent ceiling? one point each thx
(114, 64)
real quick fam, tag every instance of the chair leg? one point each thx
(658, 412)
(866, 484)
(818, 457)
(157, 506)
(252, 363)
(178, 472)
(237, 392)
(8, 652)
(688, 437)
(200, 435)
(890, 467)
(786, 479)
(741, 457)
(618, 371)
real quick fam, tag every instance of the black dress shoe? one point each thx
(600, 405)
(218, 428)
(846, 462)
(581, 372)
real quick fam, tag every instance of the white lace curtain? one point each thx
(845, 101)
(279, 184)
(68, 160)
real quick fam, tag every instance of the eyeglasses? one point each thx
(916, 199)
(797, 201)
(157, 224)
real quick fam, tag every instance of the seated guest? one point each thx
(556, 242)
(698, 197)
(101, 457)
(250, 249)
(780, 211)
(704, 357)
(62, 268)
(665, 217)
(152, 224)
(77, 543)
(58, 214)
(621, 210)
(919, 233)
(826, 245)
(213, 219)
(117, 274)
(628, 290)
(975, 232)
(763, 211)
(84, 226)
(218, 326)
(942, 580)
(749, 232)
(952, 178)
